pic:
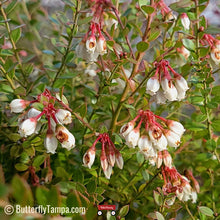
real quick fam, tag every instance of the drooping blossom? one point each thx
(152, 137)
(109, 155)
(162, 86)
(179, 185)
(214, 44)
(48, 107)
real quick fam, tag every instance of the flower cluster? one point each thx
(163, 87)
(109, 155)
(176, 183)
(155, 138)
(94, 43)
(45, 104)
(214, 44)
(165, 10)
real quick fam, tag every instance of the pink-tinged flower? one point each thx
(126, 129)
(183, 51)
(186, 192)
(66, 139)
(119, 160)
(18, 105)
(63, 116)
(50, 142)
(159, 159)
(108, 172)
(176, 127)
(170, 201)
(132, 138)
(185, 21)
(159, 97)
(194, 196)
(91, 44)
(27, 127)
(82, 52)
(181, 84)
(101, 46)
(172, 138)
(33, 113)
(23, 53)
(153, 85)
(7, 45)
(89, 157)
(170, 91)
(144, 143)
(161, 143)
(104, 161)
(155, 133)
(167, 159)
(215, 55)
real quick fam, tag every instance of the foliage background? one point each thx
(49, 39)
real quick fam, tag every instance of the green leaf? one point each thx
(159, 216)
(189, 44)
(158, 198)
(20, 91)
(147, 9)
(91, 187)
(38, 160)
(206, 211)
(61, 172)
(211, 145)
(69, 2)
(6, 52)
(140, 158)
(142, 46)
(216, 125)
(42, 195)
(124, 211)
(21, 191)
(48, 52)
(85, 20)
(10, 7)
(21, 167)
(142, 2)
(16, 34)
(154, 35)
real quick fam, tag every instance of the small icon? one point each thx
(113, 213)
(9, 209)
(99, 212)
(107, 207)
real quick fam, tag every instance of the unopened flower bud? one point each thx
(185, 21)
(50, 142)
(119, 160)
(159, 159)
(108, 172)
(167, 159)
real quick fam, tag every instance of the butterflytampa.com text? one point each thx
(50, 209)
